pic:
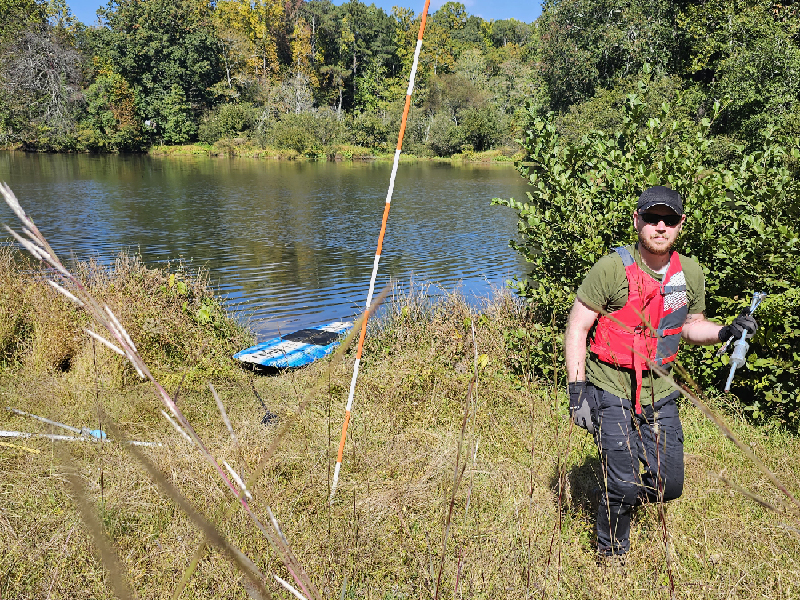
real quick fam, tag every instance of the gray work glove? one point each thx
(735, 329)
(581, 400)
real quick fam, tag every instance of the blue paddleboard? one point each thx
(298, 348)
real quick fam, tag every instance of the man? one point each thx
(649, 298)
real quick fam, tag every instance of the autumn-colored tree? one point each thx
(236, 45)
(302, 53)
(268, 17)
(437, 52)
(111, 123)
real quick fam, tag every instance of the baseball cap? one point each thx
(660, 195)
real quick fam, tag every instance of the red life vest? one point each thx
(650, 323)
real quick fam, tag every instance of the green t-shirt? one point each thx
(605, 289)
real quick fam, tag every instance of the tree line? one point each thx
(308, 75)
(291, 74)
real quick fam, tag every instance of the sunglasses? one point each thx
(654, 219)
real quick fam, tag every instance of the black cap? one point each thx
(660, 195)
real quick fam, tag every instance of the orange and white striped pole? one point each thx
(349, 407)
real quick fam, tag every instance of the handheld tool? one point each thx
(741, 346)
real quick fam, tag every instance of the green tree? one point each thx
(742, 227)
(167, 51)
(586, 44)
(176, 124)
(749, 53)
(17, 15)
(510, 31)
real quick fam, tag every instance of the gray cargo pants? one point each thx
(625, 440)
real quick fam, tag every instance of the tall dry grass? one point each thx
(383, 535)
(180, 327)
(487, 494)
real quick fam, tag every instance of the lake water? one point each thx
(287, 244)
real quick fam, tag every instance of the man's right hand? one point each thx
(735, 329)
(581, 399)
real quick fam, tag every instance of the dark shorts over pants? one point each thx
(625, 440)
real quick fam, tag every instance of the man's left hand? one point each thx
(740, 324)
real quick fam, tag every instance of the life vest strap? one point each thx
(666, 332)
(627, 259)
(639, 349)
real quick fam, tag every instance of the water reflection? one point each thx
(290, 244)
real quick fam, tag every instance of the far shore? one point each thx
(344, 153)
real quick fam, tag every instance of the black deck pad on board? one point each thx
(312, 336)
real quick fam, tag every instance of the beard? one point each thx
(659, 249)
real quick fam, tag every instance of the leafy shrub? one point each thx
(40, 330)
(15, 320)
(481, 127)
(531, 348)
(444, 136)
(173, 317)
(227, 120)
(370, 130)
(177, 323)
(469, 129)
(742, 227)
(292, 135)
(306, 133)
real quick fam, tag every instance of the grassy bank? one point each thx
(180, 327)
(245, 148)
(513, 531)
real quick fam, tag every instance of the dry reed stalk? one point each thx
(294, 566)
(726, 431)
(561, 469)
(662, 513)
(236, 556)
(88, 514)
(238, 480)
(289, 587)
(458, 474)
(57, 569)
(36, 244)
(562, 478)
(224, 415)
(458, 571)
(747, 493)
(475, 440)
(177, 427)
(39, 248)
(262, 463)
(531, 432)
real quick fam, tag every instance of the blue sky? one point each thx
(85, 10)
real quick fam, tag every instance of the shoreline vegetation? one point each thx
(242, 149)
(239, 148)
(309, 75)
(519, 518)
